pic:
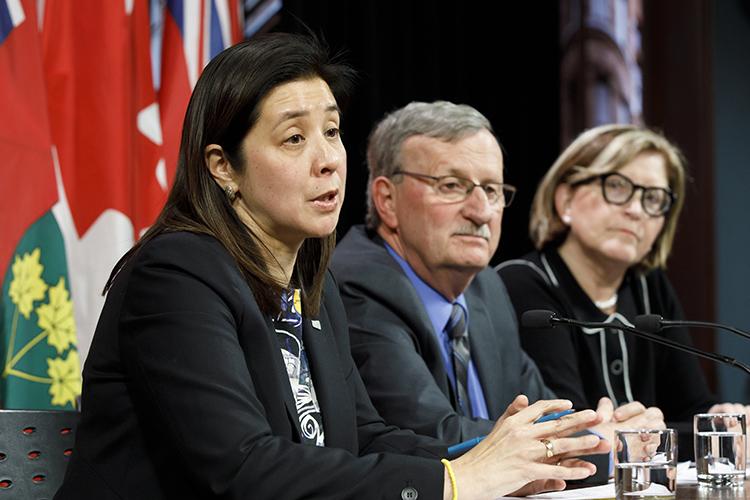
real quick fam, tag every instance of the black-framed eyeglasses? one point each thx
(618, 189)
(452, 188)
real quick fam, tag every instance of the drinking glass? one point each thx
(720, 449)
(645, 463)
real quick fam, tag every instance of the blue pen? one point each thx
(464, 446)
(553, 416)
(460, 448)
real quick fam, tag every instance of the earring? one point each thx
(566, 219)
(229, 191)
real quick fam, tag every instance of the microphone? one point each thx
(538, 319)
(653, 323)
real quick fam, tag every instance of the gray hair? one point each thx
(440, 119)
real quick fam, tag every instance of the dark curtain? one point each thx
(500, 57)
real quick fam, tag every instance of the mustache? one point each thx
(482, 231)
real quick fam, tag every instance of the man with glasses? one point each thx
(432, 329)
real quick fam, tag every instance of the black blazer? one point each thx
(399, 358)
(571, 360)
(186, 395)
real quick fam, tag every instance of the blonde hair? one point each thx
(599, 150)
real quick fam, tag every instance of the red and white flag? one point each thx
(193, 33)
(38, 344)
(89, 146)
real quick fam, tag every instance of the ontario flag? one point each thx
(41, 367)
(86, 165)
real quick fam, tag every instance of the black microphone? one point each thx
(536, 319)
(539, 319)
(653, 323)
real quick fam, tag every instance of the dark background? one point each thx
(501, 60)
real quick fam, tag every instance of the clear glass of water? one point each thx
(645, 463)
(720, 449)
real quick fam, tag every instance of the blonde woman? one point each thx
(603, 221)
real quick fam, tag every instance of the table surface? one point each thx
(685, 490)
(689, 491)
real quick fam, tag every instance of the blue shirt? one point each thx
(439, 311)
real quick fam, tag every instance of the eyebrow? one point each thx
(290, 115)
(454, 172)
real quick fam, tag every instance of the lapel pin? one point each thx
(315, 324)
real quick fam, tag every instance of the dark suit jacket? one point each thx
(398, 356)
(186, 396)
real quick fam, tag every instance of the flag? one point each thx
(194, 31)
(106, 138)
(41, 366)
(87, 161)
(116, 138)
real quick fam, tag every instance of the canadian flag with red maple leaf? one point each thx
(86, 165)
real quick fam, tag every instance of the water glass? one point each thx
(720, 449)
(645, 463)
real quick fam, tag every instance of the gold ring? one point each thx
(550, 449)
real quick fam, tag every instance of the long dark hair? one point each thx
(223, 108)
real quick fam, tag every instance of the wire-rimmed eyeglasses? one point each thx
(618, 189)
(453, 188)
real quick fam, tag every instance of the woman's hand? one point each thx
(629, 416)
(514, 457)
(730, 408)
(734, 408)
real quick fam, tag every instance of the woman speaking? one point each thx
(220, 367)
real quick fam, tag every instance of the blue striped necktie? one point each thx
(458, 335)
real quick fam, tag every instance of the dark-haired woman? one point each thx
(220, 367)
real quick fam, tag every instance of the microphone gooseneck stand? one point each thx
(538, 319)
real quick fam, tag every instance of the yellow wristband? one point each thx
(448, 467)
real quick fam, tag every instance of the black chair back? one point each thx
(35, 448)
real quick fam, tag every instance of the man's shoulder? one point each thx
(357, 239)
(369, 278)
(485, 278)
(360, 255)
(486, 288)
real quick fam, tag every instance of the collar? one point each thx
(580, 302)
(437, 306)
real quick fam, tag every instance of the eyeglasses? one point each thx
(452, 188)
(617, 189)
